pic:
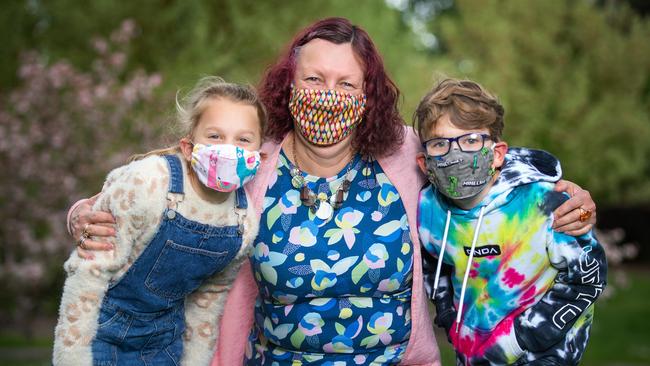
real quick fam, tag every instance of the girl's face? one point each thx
(226, 122)
(322, 64)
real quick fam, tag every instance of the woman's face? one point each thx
(322, 64)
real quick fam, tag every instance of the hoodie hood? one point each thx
(523, 166)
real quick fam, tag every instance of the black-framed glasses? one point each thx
(470, 142)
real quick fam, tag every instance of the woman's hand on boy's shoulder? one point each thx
(577, 215)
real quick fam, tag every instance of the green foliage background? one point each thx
(575, 80)
(574, 76)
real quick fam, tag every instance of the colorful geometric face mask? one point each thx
(325, 117)
(460, 174)
(224, 167)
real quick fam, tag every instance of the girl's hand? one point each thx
(86, 223)
(577, 215)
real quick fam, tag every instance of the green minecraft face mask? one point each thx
(460, 174)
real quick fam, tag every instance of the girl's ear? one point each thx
(500, 150)
(186, 148)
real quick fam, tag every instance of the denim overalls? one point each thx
(142, 319)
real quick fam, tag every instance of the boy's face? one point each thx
(444, 128)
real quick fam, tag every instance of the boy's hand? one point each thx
(445, 320)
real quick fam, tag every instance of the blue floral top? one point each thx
(334, 291)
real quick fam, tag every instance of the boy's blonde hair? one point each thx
(468, 105)
(190, 108)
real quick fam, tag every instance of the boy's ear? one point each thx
(421, 160)
(500, 150)
(186, 148)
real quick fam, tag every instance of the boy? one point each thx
(507, 288)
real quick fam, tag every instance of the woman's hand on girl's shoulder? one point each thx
(94, 225)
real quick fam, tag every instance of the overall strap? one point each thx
(241, 204)
(240, 199)
(175, 193)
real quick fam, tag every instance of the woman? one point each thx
(336, 270)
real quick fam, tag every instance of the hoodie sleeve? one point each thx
(581, 279)
(444, 296)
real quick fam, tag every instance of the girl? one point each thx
(183, 229)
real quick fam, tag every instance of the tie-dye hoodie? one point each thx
(529, 291)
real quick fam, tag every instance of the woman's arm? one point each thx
(126, 196)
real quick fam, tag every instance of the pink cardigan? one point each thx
(237, 319)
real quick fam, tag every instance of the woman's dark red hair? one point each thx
(381, 131)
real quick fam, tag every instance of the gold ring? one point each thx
(584, 214)
(84, 232)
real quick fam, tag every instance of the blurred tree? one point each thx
(183, 39)
(18, 26)
(76, 106)
(641, 7)
(574, 78)
(61, 130)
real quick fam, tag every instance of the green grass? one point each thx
(620, 332)
(620, 335)
(16, 341)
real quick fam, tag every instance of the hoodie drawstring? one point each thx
(442, 253)
(469, 266)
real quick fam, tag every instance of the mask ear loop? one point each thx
(492, 170)
(193, 145)
(430, 175)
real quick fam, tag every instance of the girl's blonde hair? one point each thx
(190, 108)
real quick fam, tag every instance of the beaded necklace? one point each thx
(323, 208)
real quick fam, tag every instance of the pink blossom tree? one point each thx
(61, 131)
